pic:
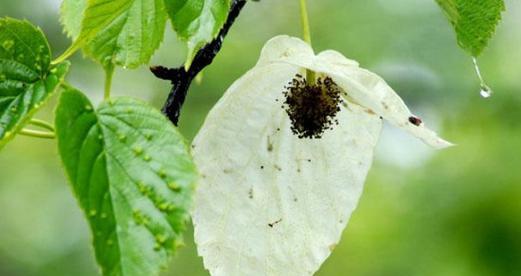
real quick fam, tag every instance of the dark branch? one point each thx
(181, 79)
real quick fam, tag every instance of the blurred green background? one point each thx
(453, 212)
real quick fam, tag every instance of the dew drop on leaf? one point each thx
(122, 137)
(174, 186)
(8, 44)
(137, 150)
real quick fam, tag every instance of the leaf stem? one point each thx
(37, 134)
(109, 72)
(304, 18)
(67, 86)
(69, 52)
(42, 124)
(306, 34)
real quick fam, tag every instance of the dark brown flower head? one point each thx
(312, 108)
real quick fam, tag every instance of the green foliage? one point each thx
(121, 32)
(197, 21)
(71, 15)
(474, 21)
(26, 77)
(133, 176)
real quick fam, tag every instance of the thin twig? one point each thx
(181, 79)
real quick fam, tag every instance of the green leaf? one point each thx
(474, 21)
(121, 32)
(26, 78)
(133, 176)
(71, 15)
(197, 21)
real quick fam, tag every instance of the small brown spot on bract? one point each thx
(332, 247)
(270, 145)
(227, 171)
(312, 108)
(250, 193)
(415, 121)
(274, 223)
(278, 168)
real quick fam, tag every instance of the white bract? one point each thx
(268, 202)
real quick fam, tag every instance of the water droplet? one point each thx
(161, 239)
(178, 244)
(103, 215)
(162, 173)
(110, 242)
(140, 218)
(164, 206)
(138, 150)
(20, 57)
(144, 189)
(148, 136)
(485, 90)
(147, 157)
(88, 108)
(93, 213)
(100, 137)
(122, 137)
(8, 44)
(157, 247)
(174, 186)
(3, 77)
(38, 66)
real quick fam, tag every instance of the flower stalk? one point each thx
(306, 35)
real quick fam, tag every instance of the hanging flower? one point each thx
(283, 159)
